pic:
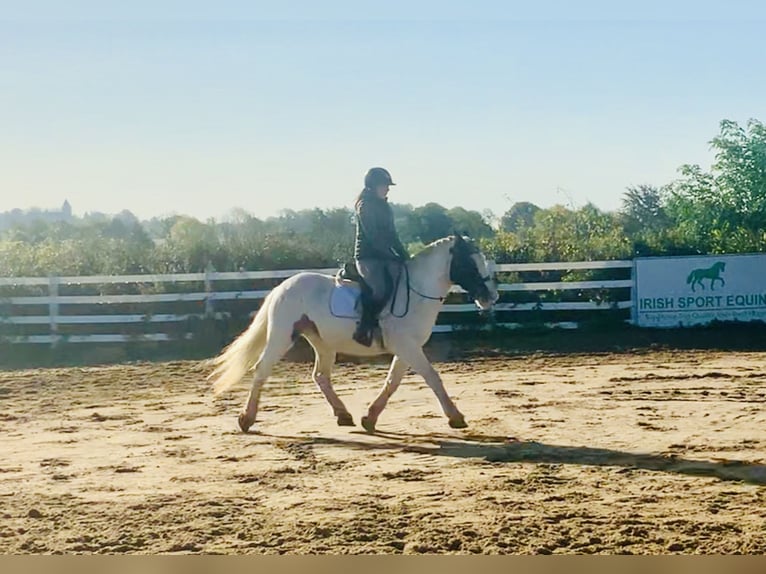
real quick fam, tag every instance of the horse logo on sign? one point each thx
(713, 273)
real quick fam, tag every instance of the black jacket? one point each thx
(376, 236)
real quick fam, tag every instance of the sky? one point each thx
(198, 108)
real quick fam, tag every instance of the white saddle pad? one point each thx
(343, 300)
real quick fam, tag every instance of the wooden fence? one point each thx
(54, 309)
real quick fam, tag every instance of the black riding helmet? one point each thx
(377, 176)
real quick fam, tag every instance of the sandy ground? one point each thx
(658, 452)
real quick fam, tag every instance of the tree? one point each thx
(724, 210)
(190, 246)
(159, 228)
(521, 214)
(471, 223)
(406, 222)
(433, 222)
(643, 211)
(561, 234)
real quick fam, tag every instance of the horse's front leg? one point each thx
(411, 353)
(394, 378)
(712, 283)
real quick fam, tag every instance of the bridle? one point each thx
(478, 282)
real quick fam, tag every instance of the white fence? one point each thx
(208, 298)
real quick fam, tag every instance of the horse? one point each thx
(712, 273)
(300, 307)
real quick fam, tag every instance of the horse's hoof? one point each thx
(458, 423)
(245, 422)
(345, 420)
(368, 424)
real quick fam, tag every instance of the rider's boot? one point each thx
(366, 325)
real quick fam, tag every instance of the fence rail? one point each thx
(54, 300)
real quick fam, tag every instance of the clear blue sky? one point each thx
(201, 107)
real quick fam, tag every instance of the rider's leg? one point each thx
(374, 273)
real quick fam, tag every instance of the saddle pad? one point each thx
(343, 301)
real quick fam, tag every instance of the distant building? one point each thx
(19, 217)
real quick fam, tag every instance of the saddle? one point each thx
(348, 277)
(349, 274)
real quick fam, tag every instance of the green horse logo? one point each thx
(713, 273)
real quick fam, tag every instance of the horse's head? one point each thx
(468, 268)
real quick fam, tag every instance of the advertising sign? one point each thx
(682, 291)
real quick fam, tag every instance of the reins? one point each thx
(409, 286)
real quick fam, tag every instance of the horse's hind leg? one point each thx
(324, 359)
(394, 378)
(278, 343)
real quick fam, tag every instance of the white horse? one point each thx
(300, 306)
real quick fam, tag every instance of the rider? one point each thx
(378, 252)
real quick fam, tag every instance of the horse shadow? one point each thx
(502, 450)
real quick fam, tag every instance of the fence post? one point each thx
(209, 270)
(53, 308)
(633, 294)
(492, 270)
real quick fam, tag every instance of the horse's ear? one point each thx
(458, 237)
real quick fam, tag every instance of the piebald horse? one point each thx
(299, 306)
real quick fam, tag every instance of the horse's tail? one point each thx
(234, 362)
(690, 277)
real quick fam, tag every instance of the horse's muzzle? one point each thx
(485, 299)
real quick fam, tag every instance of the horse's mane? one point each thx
(431, 247)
